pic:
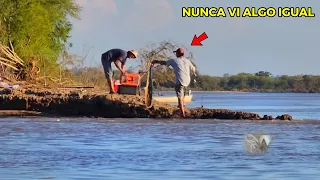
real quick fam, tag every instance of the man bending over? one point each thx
(119, 58)
(182, 68)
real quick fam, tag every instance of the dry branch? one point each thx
(9, 59)
(159, 51)
(10, 55)
(17, 68)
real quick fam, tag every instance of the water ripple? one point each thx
(42, 148)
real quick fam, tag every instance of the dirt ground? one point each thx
(92, 102)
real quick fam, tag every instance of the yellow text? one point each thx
(260, 12)
(295, 12)
(203, 12)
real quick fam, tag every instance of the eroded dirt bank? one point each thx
(95, 103)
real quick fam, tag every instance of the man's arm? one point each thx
(122, 60)
(123, 67)
(159, 62)
(120, 67)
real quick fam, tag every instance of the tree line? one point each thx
(262, 81)
(259, 82)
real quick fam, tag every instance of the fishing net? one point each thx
(257, 143)
(148, 89)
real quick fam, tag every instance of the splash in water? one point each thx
(256, 143)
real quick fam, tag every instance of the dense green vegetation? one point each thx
(37, 30)
(260, 81)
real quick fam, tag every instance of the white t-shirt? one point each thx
(182, 69)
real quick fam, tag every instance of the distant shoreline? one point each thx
(224, 91)
(302, 92)
(208, 91)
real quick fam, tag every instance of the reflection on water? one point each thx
(44, 148)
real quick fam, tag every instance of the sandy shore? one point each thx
(33, 101)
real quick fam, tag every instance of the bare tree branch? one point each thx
(160, 51)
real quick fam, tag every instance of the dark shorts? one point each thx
(180, 90)
(107, 67)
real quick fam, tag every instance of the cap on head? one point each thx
(134, 53)
(179, 51)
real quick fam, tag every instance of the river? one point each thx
(303, 106)
(138, 149)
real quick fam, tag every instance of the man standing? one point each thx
(182, 68)
(119, 58)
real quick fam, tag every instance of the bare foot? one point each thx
(182, 117)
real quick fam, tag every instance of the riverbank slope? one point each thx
(81, 102)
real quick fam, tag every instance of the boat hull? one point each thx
(172, 99)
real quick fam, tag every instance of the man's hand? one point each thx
(153, 62)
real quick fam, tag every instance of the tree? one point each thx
(209, 83)
(263, 73)
(38, 30)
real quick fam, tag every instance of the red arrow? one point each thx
(197, 40)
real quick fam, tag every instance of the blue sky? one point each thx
(278, 45)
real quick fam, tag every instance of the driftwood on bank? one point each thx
(16, 69)
(10, 59)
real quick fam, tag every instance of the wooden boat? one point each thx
(173, 99)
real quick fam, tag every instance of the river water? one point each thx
(129, 149)
(304, 106)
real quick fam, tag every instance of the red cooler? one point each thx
(116, 85)
(129, 84)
